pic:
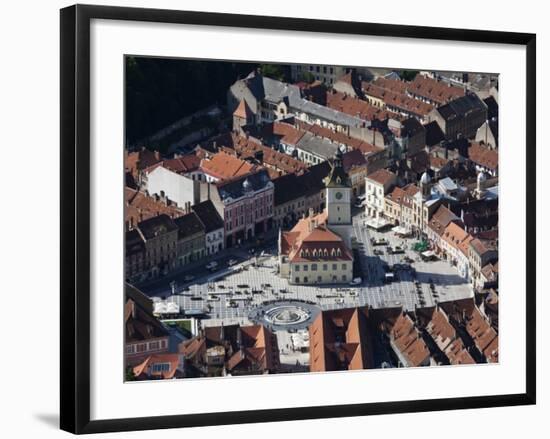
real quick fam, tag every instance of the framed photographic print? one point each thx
(268, 218)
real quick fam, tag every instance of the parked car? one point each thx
(189, 278)
(212, 266)
(356, 281)
(232, 262)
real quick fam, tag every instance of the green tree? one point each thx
(407, 75)
(307, 77)
(130, 374)
(275, 71)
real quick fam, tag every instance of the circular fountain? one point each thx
(285, 315)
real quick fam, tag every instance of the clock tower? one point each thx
(338, 194)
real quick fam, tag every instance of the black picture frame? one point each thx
(75, 217)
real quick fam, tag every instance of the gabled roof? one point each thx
(146, 368)
(226, 166)
(483, 156)
(408, 341)
(189, 225)
(140, 206)
(311, 240)
(441, 219)
(139, 322)
(382, 176)
(180, 165)
(136, 161)
(433, 89)
(208, 215)
(156, 226)
(291, 186)
(339, 340)
(243, 110)
(461, 106)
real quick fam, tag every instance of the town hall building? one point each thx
(317, 250)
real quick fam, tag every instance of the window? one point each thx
(344, 278)
(319, 278)
(160, 367)
(142, 347)
(297, 268)
(154, 345)
(297, 280)
(334, 267)
(325, 267)
(130, 349)
(305, 279)
(313, 267)
(306, 267)
(344, 266)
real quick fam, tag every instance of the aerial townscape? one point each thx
(309, 218)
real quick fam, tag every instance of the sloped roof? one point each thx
(243, 110)
(208, 215)
(311, 240)
(226, 166)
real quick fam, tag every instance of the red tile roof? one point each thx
(145, 370)
(357, 107)
(226, 166)
(483, 156)
(434, 90)
(140, 207)
(409, 342)
(382, 176)
(243, 110)
(138, 160)
(180, 165)
(311, 240)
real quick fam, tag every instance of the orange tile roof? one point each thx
(483, 156)
(138, 160)
(357, 107)
(441, 219)
(457, 237)
(310, 240)
(140, 207)
(289, 134)
(457, 354)
(243, 110)
(340, 339)
(382, 176)
(144, 369)
(226, 166)
(397, 99)
(408, 341)
(440, 329)
(479, 328)
(180, 165)
(434, 90)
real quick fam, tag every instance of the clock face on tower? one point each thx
(338, 195)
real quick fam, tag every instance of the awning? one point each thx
(376, 223)
(400, 230)
(428, 254)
